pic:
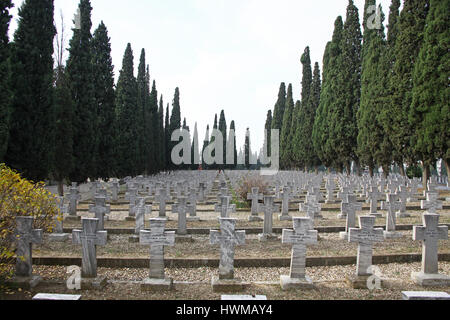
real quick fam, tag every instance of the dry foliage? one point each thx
(20, 197)
(246, 185)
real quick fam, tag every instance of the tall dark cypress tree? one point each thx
(430, 111)
(30, 148)
(247, 149)
(105, 102)
(64, 113)
(332, 62)
(162, 136)
(268, 134)
(127, 112)
(374, 70)
(205, 166)
(224, 131)
(143, 125)
(286, 144)
(5, 92)
(233, 128)
(175, 122)
(81, 77)
(408, 44)
(154, 158)
(278, 113)
(167, 147)
(302, 118)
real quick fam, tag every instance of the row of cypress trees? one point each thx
(72, 122)
(382, 99)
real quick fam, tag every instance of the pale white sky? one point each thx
(222, 54)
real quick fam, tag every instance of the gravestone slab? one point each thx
(56, 297)
(425, 295)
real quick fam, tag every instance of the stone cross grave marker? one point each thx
(285, 197)
(192, 200)
(89, 238)
(202, 189)
(25, 237)
(181, 208)
(300, 237)
(269, 208)
(74, 197)
(430, 233)
(115, 191)
(131, 196)
(58, 234)
(255, 196)
(365, 236)
(330, 186)
(157, 238)
(432, 204)
(227, 238)
(392, 206)
(224, 207)
(311, 207)
(350, 209)
(374, 195)
(99, 208)
(162, 198)
(343, 194)
(403, 195)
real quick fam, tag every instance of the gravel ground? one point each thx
(329, 245)
(330, 284)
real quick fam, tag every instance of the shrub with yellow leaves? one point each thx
(20, 197)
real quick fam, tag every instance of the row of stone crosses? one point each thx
(191, 188)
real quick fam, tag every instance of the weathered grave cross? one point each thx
(25, 238)
(99, 208)
(228, 238)
(157, 238)
(89, 238)
(255, 196)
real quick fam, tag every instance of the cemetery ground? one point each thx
(193, 264)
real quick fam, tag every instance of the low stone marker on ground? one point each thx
(157, 238)
(430, 233)
(227, 238)
(300, 237)
(425, 295)
(56, 297)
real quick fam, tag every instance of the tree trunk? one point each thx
(371, 171)
(425, 177)
(316, 169)
(358, 168)
(386, 171)
(61, 188)
(447, 168)
(348, 168)
(402, 170)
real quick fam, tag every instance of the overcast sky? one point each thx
(222, 54)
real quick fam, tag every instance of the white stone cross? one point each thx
(285, 197)
(162, 197)
(227, 238)
(89, 238)
(157, 238)
(255, 196)
(269, 208)
(374, 195)
(300, 237)
(181, 208)
(131, 196)
(430, 233)
(365, 236)
(74, 197)
(432, 204)
(350, 209)
(99, 208)
(25, 237)
(224, 207)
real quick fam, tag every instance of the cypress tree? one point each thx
(323, 123)
(286, 143)
(374, 70)
(430, 112)
(213, 139)
(143, 124)
(162, 136)
(81, 77)
(268, 134)
(303, 116)
(223, 130)
(167, 148)
(408, 43)
(105, 99)
(30, 148)
(5, 92)
(175, 122)
(64, 114)
(127, 112)
(153, 128)
(233, 127)
(247, 151)
(278, 113)
(205, 145)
